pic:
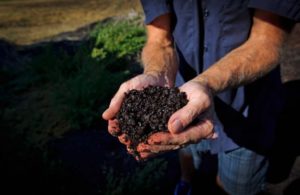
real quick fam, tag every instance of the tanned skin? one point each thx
(158, 55)
(253, 59)
(250, 61)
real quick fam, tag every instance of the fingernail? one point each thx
(215, 136)
(176, 126)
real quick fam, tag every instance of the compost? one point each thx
(146, 111)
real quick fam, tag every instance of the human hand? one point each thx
(181, 130)
(139, 82)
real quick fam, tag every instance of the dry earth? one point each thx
(26, 21)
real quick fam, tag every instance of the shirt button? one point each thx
(206, 13)
(205, 48)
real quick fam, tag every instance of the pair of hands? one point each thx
(179, 133)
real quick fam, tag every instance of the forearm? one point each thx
(241, 66)
(160, 59)
(252, 60)
(158, 55)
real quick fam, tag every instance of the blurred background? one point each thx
(60, 63)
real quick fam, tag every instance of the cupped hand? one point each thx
(139, 82)
(182, 130)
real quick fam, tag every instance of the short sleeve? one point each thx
(154, 8)
(286, 8)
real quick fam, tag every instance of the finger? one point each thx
(124, 139)
(160, 138)
(113, 127)
(115, 103)
(156, 149)
(184, 116)
(193, 134)
(130, 150)
(202, 130)
(133, 153)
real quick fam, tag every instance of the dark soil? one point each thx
(147, 111)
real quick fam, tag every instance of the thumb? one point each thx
(184, 116)
(115, 103)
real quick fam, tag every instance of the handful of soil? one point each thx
(147, 111)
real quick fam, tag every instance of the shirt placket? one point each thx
(205, 46)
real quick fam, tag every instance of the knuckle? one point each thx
(189, 114)
(197, 136)
(185, 139)
(207, 129)
(124, 86)
(209, 125)
(200, 131)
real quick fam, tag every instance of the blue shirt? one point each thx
(204, 32)
(286, 8)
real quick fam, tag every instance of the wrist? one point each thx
(204, 81)
(162, 77)
(160, 61)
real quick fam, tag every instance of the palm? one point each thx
(138, 83)
(181, 132)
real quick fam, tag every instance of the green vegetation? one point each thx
(121, 39)
(57, 91)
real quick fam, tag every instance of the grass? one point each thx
(57, 91)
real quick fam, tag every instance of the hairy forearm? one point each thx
(160, 59)
(158, 55)
(241, 66)
(252, 60)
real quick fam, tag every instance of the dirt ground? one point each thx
(26, 21)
